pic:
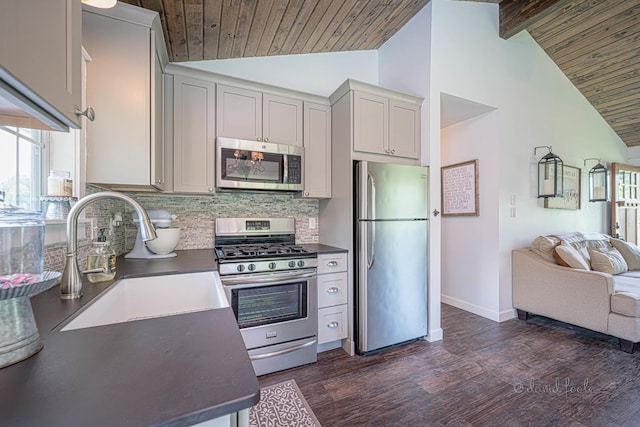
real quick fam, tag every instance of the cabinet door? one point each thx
(404, 129)
(282, 120)
(158, 170)
(317, 150)
(371, 123)
(41, 49)
(119, 89)
(193, 138)
(238, 113)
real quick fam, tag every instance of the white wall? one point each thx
(470, 247)
(319, 73)
(536, 105)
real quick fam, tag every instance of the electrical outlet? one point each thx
(312, 224)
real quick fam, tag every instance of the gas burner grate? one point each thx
(259, 251)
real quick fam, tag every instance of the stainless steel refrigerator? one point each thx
(391, 254)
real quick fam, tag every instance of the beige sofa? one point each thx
(596, 300)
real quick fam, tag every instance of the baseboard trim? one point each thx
(480, 311)
(434, 335)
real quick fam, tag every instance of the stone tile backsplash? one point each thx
(195, 216)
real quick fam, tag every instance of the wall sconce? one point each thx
(550, 172)
(597, 182)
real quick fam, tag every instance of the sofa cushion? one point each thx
(629, 251)
(625, 299)
(543, 246)
(583, 241)
(568, 256)
(607, 260)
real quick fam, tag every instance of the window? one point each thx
(21, 166)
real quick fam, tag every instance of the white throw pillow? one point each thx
(630, 253)
(543, 246)
(607, 261)
(568, 256)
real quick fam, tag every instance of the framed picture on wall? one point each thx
(460, 189)
(571, 191)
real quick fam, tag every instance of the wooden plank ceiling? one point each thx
(596, 43)
(218, 29)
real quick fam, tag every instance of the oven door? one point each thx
(274, 308)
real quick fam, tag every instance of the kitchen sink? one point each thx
(140, 298)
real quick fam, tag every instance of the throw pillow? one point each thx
(543, 246)
(568, 256)
(607, 261)
(629, 251)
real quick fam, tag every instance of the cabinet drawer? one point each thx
(332, 323)
(332, 289)
(332, 263)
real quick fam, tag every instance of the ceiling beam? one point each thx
(516, 15)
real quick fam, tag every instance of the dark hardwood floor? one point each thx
(515, 373)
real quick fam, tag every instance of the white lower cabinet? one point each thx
(333, 322)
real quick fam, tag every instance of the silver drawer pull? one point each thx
(333, 290)
(332, 325)
(332, 264)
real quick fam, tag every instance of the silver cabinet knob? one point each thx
(332, 290)
(332, 264)
(210, 190)
(266, 140)
(393, 151)
(89, 113)
(259, 139)
(332, 325)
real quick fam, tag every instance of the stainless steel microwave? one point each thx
(258, 165)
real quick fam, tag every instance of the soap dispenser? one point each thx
(101, 261)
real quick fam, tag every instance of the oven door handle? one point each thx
(309, 343)
(271, 278)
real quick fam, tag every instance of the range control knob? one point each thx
(300, 263)
(272, 265)
(292, 264)
(251, 267)
(240, 268)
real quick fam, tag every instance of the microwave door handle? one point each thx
(285, 167)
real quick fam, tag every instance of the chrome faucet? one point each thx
(71, 286)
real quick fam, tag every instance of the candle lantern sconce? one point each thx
(598, 182)
(550, 172)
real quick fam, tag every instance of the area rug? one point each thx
(282, 405)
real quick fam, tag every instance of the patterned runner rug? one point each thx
(282, 405)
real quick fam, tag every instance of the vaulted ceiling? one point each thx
(596, 43)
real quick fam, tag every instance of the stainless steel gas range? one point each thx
(270, 283)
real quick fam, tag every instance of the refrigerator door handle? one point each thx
(371, 227)
(372, 196)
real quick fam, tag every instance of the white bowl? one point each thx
(166, 241)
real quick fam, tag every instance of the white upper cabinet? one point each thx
(317, 150)
(384, 122)
(404, 129)
(125, 144)
(252, 115)
(41, 63)
(193, 135)
(371, 123)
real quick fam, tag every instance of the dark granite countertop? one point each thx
(323, 249)
(169, 371)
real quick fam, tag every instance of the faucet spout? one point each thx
(71, 286)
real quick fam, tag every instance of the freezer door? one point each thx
(392, 283)
(389, 191)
